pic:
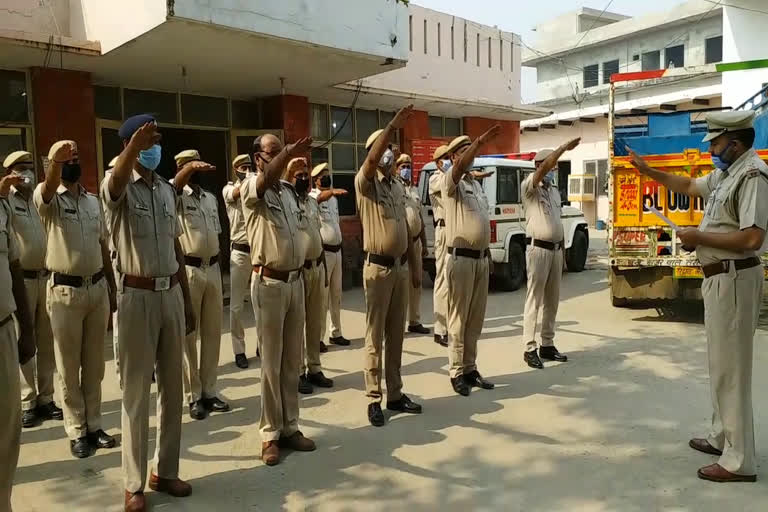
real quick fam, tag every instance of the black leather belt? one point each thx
(242, 247)
(318, 261)
(543, 244)
(384, 261)
(440, 223)
(193, 261)
(285, 276)
(469, 253)
(34, 274)
(6, 320)
(331, 248)
(76, 281)
(722, 267)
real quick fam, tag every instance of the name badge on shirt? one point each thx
(21, 209)
(70, 210)
(141, 207)
(191, 208)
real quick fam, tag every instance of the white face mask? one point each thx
(447, 164)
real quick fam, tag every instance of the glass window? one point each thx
(162, 105)
(361, 154)
(435, 126)
(452, 127)
(204, 110)
(610, 68)
(506, 185)
(318, 118)
(713, 50)
(319, 156)
(651, 61)
(13, 96)
(341, 124)
(602, 177)
(367, 123)
(343, 157)
(346, 202)
(591, 75)
(674, 57)
(106, 102)
(245, 114)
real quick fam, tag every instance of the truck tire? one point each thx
(510, 276)
(576, 256)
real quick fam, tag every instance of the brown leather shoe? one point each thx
(135, 502)
(298, 442)
(176, 487)
(717, 473)
(270, 453)
(702, 445)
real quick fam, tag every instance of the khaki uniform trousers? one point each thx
(440, 288)
(10, 420)
(79, 318)
(37, 374)
(315, 296)
(151, 337)
(386, 295)
(731, 309)
(334, 268)
(467, 281)
(240, 270)
(545, 271)
(414, 294)
(206, 297)
(280, 326)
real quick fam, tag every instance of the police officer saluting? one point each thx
(37, 375)
(273, 220)
(154, 307)
(467, 261)
(442, 160)
(240, 268)
(544, 257)
(728, 243)
(81, 290)
(198, 214)
(380, 203)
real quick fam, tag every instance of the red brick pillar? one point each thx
(289, 113)
(64, 109)
(417, 127)
(508, 141)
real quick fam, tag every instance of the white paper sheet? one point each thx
(663, 217)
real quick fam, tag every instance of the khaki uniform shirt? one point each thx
(107, 215)
(314, 241)
(237, 233)
(381, 205)
(144, 226)
(75, 227)
(435, 195)
(542, 210)
(330, 228)
(413, 211)
(273, 223)
(29, 230)
(198, 215)
(9, 252)
(736, 199)
(467, 221)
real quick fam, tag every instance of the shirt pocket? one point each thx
(469, 199)
(275, 212)
(70, 221)
(4, 237)
(142, 224)
(193, 217)
(92, 222)
(167, 216)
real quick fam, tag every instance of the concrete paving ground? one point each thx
(607, 431)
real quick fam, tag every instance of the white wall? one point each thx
(49, 17)
(745, 37)
(367, 27)
(115, 22)
(447, 75)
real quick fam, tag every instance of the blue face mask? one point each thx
(150, 158)
(549, 177)
(720, 162)
(405, 174)
(447, 164)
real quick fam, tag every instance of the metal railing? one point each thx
(758, 102)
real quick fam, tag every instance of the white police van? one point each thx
(508, 221)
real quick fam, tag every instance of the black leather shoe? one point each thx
(80, 448)
(49, 411)
(418, 329)
(474, 378)
(340, 340)
(215, 404)
(101, 439)
(552, 354)
(241, 361)
(319, 380)
(375, 415)
(29, 418)
(405, 404)
(197, 410)
(460, 385)
(323, 348)
(305, 387)
(532, 358)
(441, 340)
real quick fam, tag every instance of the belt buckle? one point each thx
(162, 284)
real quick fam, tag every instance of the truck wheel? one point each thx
(511, 275)
(576, 256)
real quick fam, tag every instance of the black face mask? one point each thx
(302, 186)
(325, 181)
(195, 179)
(240, 175)
(70, 172)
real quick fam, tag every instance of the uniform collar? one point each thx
(63, 190)
(739, 166)
(191, 192)
(383, 177)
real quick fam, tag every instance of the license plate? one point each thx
(688, 273)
